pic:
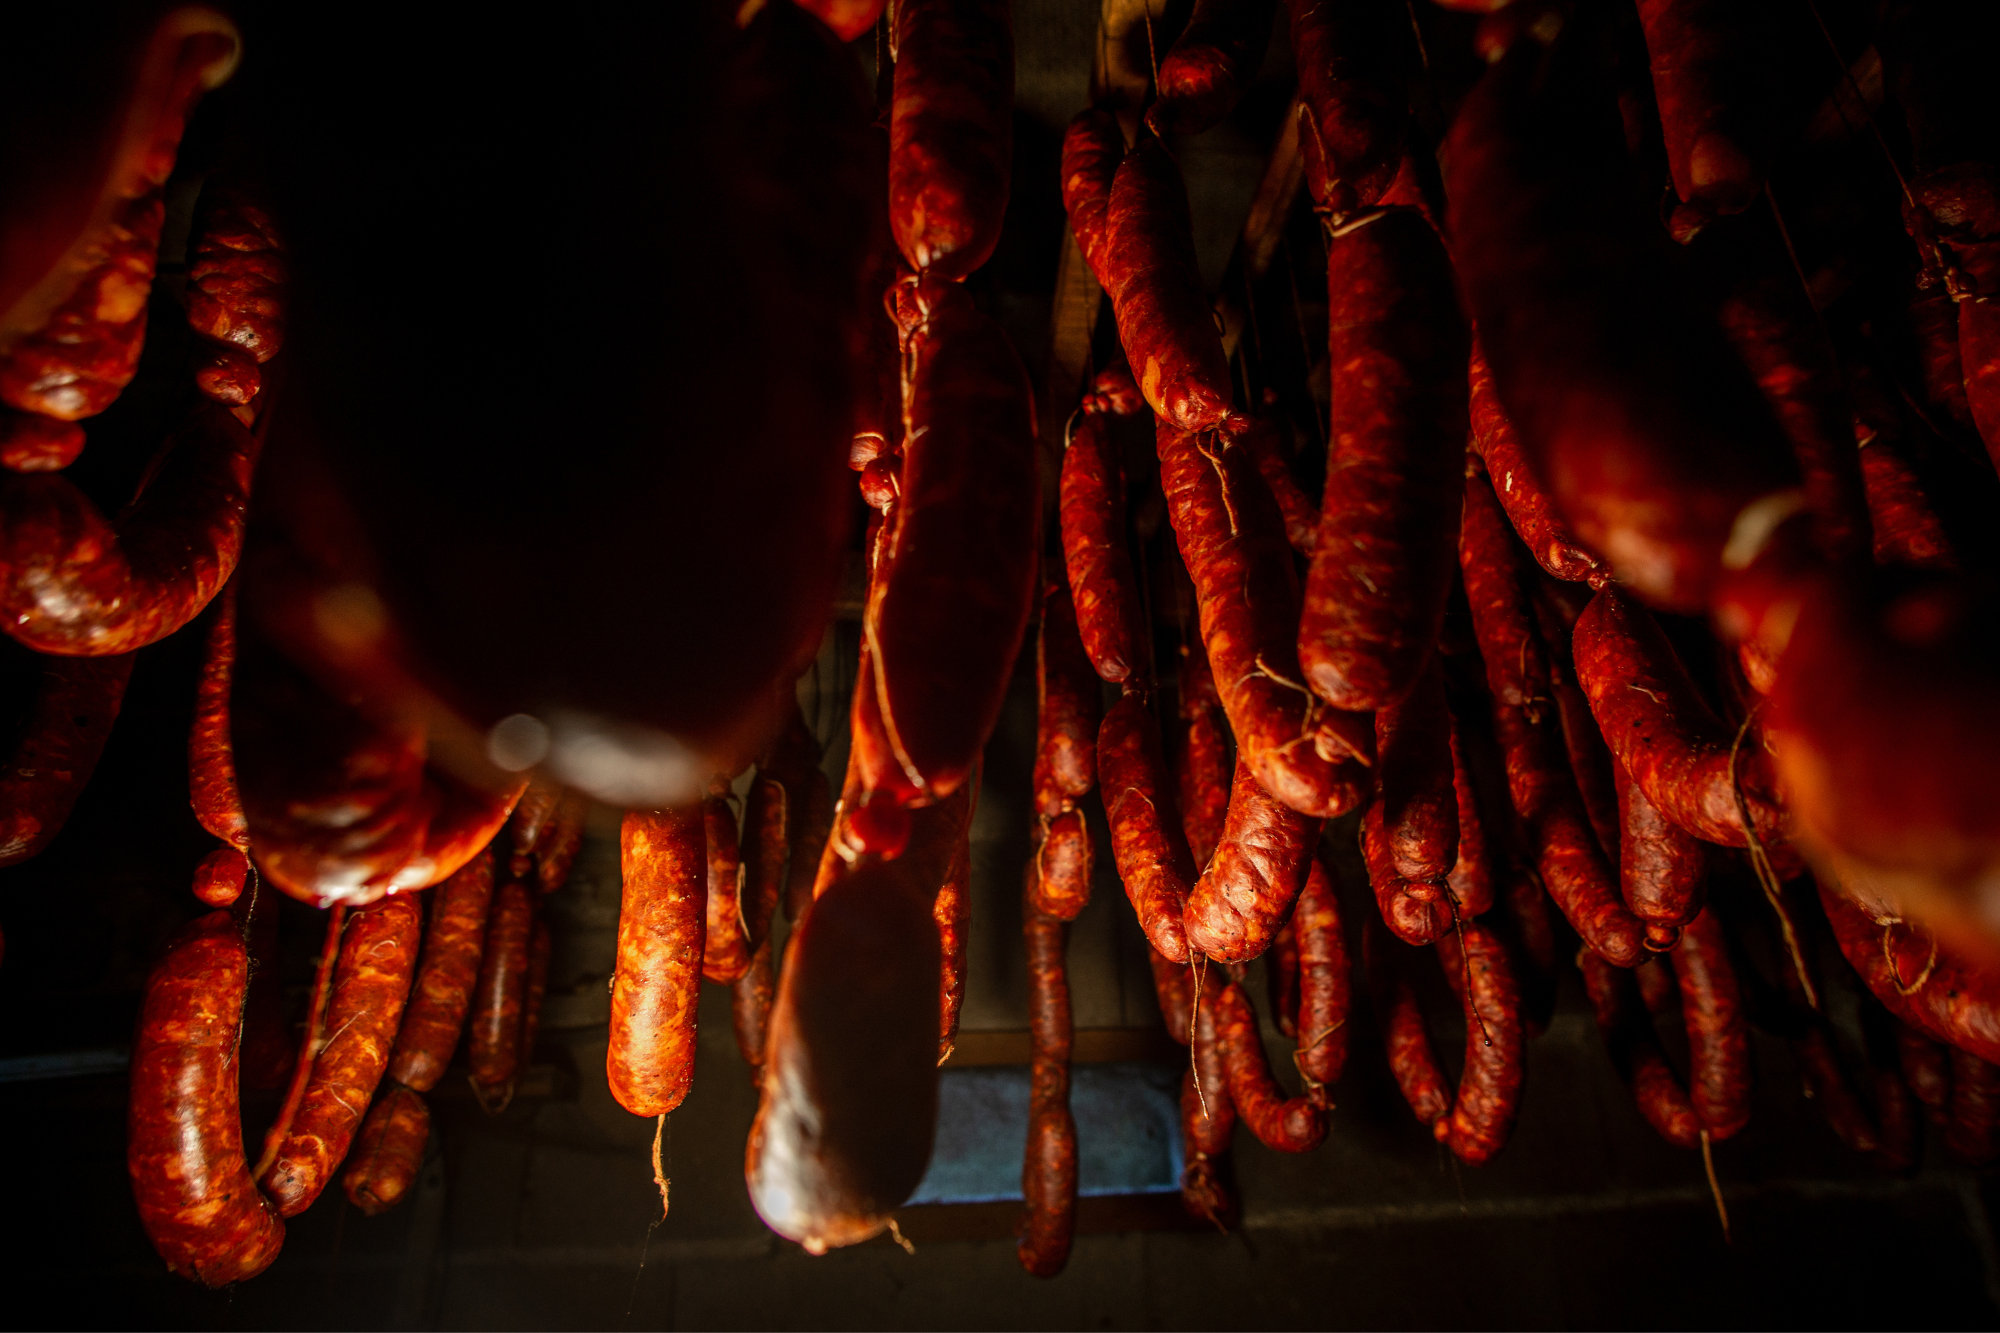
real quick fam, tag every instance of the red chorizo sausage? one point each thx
(1152, 856)
(1635, 1051)
(1156, 292)
(1383, 558)
(725, 950)
(1108, 612)
(1718, 1038)
(1093, 146)
(1906, 527)
(1352, 61)
(849, 1107)
(1066, 713)
(76, 701)
(454, 940)
(218, 880)
(1172, 989)
(1048, 1172)
(371, 982)
(493, 1028)
(750, 1010)
(767, 821)
(664, 860)
(1557, 607)
(1201, 758)
(1208, 1122)
(235, 294)
(1244, 899)
(1664, 735)
(184, 1136)
(1231, 538)
(1538, 776)
(311, 1040)
(1528, 506)
(1419, 798)
(951, 912)
(1059, 875)
(531, 819)
(1660, 867)
(1288, 1124)
(951, 132)
(1489, 1089)
(1415, 912)
(946, 617)
(389, 1151)
(1651, 438)
(74, 583)
(1411, 1059)
(1210, 65)
(1920, 978)
(555, 851)
(1281, 978)
(1325, 984)
(218, 806)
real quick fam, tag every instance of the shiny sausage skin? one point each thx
(767, 821)
(1066, 713)
(312, 1038)
(1093, 146)
(1151, 854)
(951, 913)
(1972, 1134)
(725, 950)
(1951, 997)
(1528, 506)
(1557, 606)
(1635, 1051)
(1059, 882)
(454, 940)
(1231, 537)
(218, 880)
(1926, 1069)
(1108, 611)
(532, 816)
(1288, 1124)
(1489, 1090)
(371, 982)
(1325, 984)
(235, 295)
(1048, 1171)
(1351, 60)
(1411, 1059)
(946, 616)
(849, 1107)
(184, 1136)
(664, 861)
(1156, 291)
(1201, 768)
(1208, 1122)
(1660, 867)
(1281, 977)
(1661, 731)
(1650, 436)
(76, 702)
(1173, 990)
(556, 851)
(493, 1028)
(1244, 899)
(218, 806)
(1718, 1037)
(1415, 913)
(388, 1152)
(1210, 65)
(1383, 558)
(1538, 775)
(76, 584)
(951, 132)
(1419, 800)
(750, 1010)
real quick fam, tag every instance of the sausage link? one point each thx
(1202, 767)
(951, 911)
(1093, 146)
(1972, 1133)
(1152, 856)
(725, 950)
(767, 822)
(1383, 558)
(811, 839)
(311, 1039)
(184, 1135)
(1718, 1038)
(1067, 712)
(946, 615)
(389, 1151)
(218, 806)
(1489, 1089)
(1208, 1122)
(849, 1109)
(848, 18)
(371, 982)
(1662, 732)
(661, 921)
(951, 132)
(237, 276)
(1540, 528)
(1905, 524)
(1059, 879)
(1231, 538)
(1557, 608)
(493, 1028)
(1471, 878)
(1352, 60)
(1415, 913)
(1635, 1051)
(1281, 977)
(1288, 1124)
(1154, 283)
(1174, 992)
(1108, 612)
(1411, 1059)
(76, 701)
(1922, 979)
(1048, 1173)
(1419, 799)
(1210, 65)
(1243, 900)
(1661, 867)
(750, 1010)
(1538, 775)
(454, 940)
(531, 819)
(1926, 1069)
(1325, 984)
(218, 880)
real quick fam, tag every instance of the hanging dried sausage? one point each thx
(76, 701)
(389, 1151)
(1244, 899)
(951, 132)
(1151, 854)
(1048, 1173)
(664, 861)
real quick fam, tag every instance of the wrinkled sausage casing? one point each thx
(844, 1130)
(1152, 857)
(1325, 983)
(951, 132)
(946, 616)
(1210, 64)
(389, 1152)
(661, 921)
(1245, 896)
(184, 1141)
(1489, 1090)
(492, 1046)
(1528, 506)
(1920, 978)
(1288, 1124)
(1420, 801)
(1093, 147)
(1201, 758)
(1109, 615)
(1383, 557)
(454, 939)
(1048, 1172)
(211, 764)
(1352, 60)
(75, 704)
(725, 947)
(371, 982)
